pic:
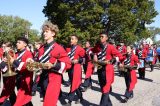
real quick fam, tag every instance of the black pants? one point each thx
(151, 66)
(87, 82)
(43, 83)
(71, 95)
(127, 77)
(105, 100)
(35, 84)
(141, 72)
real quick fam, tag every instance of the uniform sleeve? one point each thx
(22, 65)
(81, 55)
(116, 53)
(62, 63)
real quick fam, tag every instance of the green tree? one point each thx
(122, 19)
(13, 27)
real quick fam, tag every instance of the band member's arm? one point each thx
(21, 66)
(61, 64)
(3, 66)
(79, 57)
(114, 52)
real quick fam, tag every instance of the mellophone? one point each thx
(99, 64)
(126, 68)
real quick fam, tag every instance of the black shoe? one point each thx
(125, 100)
(33, 93)
(68, 104)
(79, 101)
(85, 88)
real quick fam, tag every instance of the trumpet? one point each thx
(99, 64)
(10, 72)
(125, 68)
(35, 66)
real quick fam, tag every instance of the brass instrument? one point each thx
(126, 67)
(9, 72)
(99, 64)
(35, 66)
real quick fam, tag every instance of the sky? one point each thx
(31, 10)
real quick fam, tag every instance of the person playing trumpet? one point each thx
(55, 61)
(104, 54)
(131, 60)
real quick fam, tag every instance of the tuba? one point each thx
(10, 72)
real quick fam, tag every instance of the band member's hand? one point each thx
(95, 58)
(11, 59)
(75, 61)
(29, 60)
(121, 65)
(107, 62)
(48, 65)
(4, 59)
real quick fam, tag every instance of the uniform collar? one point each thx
(49, 44)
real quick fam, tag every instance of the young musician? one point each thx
(37, 45)
(76, 55)
(23, 78)
(56, 61)
(105, 53)
(131, 60)
(89, 67)
(142, 54)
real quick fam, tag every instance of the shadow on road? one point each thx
(96, 88)
(117, 96)
(146, 79)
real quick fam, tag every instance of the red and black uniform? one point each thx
(123, 51)
(89, 70)
(54, 53)
(76, 53)
(130, 74)
(37, 74)
(142, 54)
(106, 72)
(151, 58)
(22, 80)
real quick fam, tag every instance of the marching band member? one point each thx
(76, 55)
(142, 54)
(56, 61)
(89, 70)
(23, 79)
(105, 53)
(37, 45)
(151, 57)
(131, 60)
(122, 49)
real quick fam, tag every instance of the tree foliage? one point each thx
(13, 27)
(122, 19)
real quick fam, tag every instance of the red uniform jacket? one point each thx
(90, 65)
(134, 61)
(77, 70)
(111, 51)
(123, 49)
(24, 91)
(55, 78)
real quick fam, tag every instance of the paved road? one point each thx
(146, 92)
